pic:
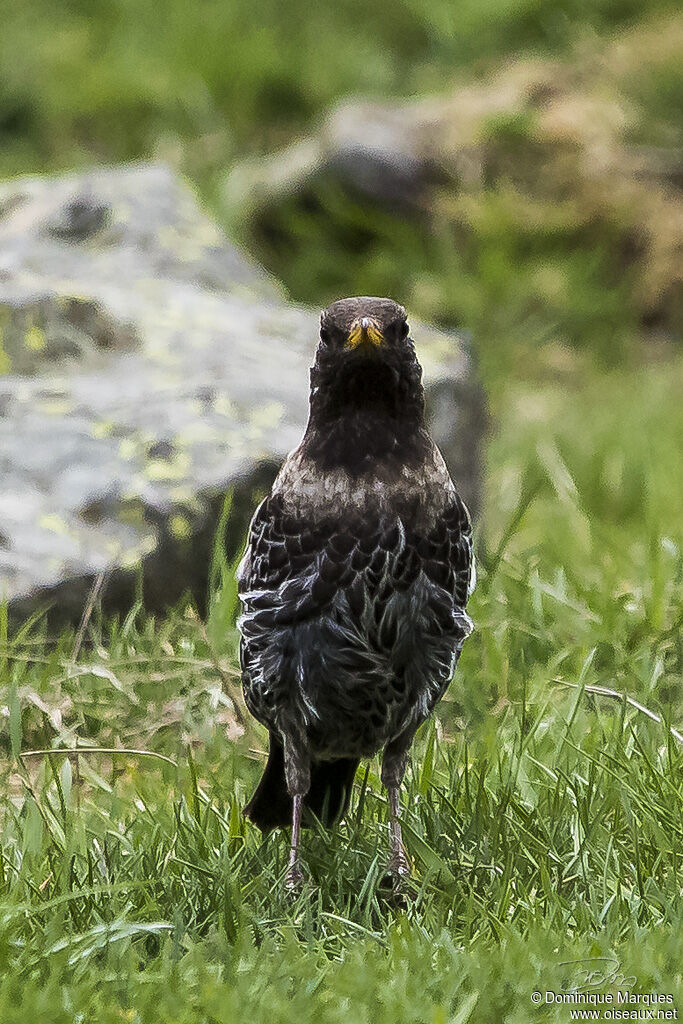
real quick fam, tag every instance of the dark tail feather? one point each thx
(328, 798)
(330, 792)
(271, 804)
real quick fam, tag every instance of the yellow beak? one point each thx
(364, 331)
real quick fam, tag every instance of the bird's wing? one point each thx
(291, 568)
(294, 569)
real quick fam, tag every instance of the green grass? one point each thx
(545, 822)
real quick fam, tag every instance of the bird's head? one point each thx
(366, 383)
(364, 326)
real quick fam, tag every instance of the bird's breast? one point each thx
(381, 490)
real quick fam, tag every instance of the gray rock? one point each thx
(149, 367)
(381, 150)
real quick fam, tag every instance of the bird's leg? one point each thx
(393, 770)
(398, 860)
(294, 873)
(298, 776)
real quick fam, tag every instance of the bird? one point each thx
(353, 583)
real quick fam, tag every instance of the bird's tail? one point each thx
(328, 797)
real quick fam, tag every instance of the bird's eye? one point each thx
(398, 330)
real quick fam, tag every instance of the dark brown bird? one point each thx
(354, 580)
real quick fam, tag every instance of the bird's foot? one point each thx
(395, 881)
(398, 865)
(294, 879)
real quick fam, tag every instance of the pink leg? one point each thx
(398, 861)
(294, 874)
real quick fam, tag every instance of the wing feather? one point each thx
(293, 570)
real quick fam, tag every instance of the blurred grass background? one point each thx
(119, 80)
(545, 821)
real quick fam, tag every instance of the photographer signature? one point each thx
(596, 972)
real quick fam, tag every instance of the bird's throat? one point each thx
(364, 414)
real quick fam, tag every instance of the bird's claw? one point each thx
(396, 879)
(398, 865)
(294, 880)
